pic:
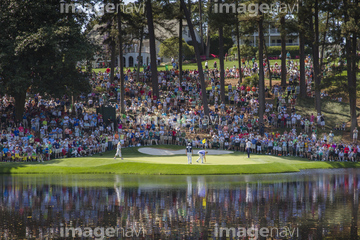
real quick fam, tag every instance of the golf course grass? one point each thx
(138, 163)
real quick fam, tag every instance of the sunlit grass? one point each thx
(334, 113)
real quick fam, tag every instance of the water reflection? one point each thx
(319, 203)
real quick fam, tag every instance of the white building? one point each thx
(272, 38)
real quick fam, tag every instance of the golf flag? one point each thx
(204, 141)
(204, 202)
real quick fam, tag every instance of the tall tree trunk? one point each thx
(180, 44)
(113, 57)
(19, 105)
(352, 84)
(268, 63)
(238, 47)
(207, 50)
(201, 28)
(189, 7)
(354, 76)
(316, 59)
(302, 65)
(121, 61)
(323, 41)
(350, 47)
(222, 70)
(197, 54)
(283, 51)
(302, 55)
(261, 72)
(154, 75)
(139, 56)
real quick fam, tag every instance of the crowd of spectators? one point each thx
(58, 127)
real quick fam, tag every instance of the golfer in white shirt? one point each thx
(118, 151)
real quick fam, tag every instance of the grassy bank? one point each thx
(138, 163)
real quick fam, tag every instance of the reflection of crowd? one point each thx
(191, 209)
(56, 128)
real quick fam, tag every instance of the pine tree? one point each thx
(197, 54)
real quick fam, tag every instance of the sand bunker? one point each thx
(159, 151)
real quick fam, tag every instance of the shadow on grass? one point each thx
(9, 167)
(53, 161)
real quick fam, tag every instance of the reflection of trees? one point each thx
(326, 205)
(354, 216)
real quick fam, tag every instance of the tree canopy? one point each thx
(40, 47)
(170, 48)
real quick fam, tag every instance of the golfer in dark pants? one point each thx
(248, 147)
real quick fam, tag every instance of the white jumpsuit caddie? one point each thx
(118, 151)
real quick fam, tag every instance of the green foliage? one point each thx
(245, 50)
(247, 80)
(214, 43)
(251, 80)
(40, 48)
(293, 50)
(170, 48)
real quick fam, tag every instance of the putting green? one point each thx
(138, 163)
(228, 159)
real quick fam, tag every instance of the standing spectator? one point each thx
(248, 147)
(189, 153)
(355, 135)
(331, 137)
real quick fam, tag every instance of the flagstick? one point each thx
(205, 150)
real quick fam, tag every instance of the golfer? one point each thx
(248, 147)
(118, 151)
(189, 153)
(355, 135)
(202, 155)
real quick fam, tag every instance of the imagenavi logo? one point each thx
(254, 9)
(101, 8)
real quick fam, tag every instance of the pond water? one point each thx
(312, 204)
